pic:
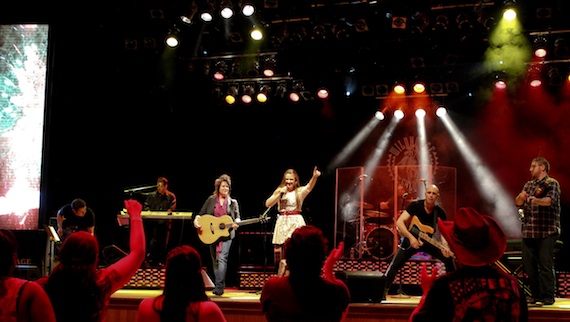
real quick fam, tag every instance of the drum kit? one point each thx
(376, 239)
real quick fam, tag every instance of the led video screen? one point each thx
(23, 73)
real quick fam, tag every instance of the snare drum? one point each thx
(380, 243)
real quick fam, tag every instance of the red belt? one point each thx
(289, 213)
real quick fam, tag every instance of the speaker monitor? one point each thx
(364, 287)
(28, 272)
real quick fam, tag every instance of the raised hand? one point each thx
(333, 257)
(134, 208)
(426, 279)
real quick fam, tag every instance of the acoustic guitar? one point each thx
(213, 228)
(424, 233)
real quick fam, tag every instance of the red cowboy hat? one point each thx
(475, 239)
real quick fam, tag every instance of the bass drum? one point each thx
(380, 243)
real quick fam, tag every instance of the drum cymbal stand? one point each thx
(359, 246)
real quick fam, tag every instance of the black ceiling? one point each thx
(367, 41)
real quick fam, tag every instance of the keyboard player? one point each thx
(158, 231)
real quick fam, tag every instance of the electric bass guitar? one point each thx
(212, 227)
(424, 233)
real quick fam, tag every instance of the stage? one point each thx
(244, 306)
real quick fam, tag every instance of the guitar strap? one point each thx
(435, 215)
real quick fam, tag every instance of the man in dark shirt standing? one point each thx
(75, 216)
(420, 216)
(157, 231)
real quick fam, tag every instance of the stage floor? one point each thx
(243, 305)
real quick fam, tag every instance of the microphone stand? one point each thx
(401, 294)
(264, 244)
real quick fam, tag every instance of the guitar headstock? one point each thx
(264, 219)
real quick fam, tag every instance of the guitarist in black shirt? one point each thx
(416, 225)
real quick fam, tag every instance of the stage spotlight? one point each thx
(256, 33)
(399, 114)
(367, 90)
(226, 9)
(360, 25)
(510, 12)
(441, 23)
(188, 16)
(544, 13)
(382, 90)
(297, 92)
(555, 78)
(534, 76)
(540, 47)
(263, 93)
(436, 88)
(247, 94)
(420, 113)
(399, 89)
(323, 93)
(248, 9)
(207, 13)
(281, 89)
(294, 97)
(452, 87)
(500, 84)
(419, 88)
(172, 38)
(319, 32)
(269, 66)
(131, 44)
(220, 70)
(231, 94)
(561, 48)
(441, 111)
(379, 115)
(417, 62)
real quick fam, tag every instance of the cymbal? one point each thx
(365, 205)
(376, 214)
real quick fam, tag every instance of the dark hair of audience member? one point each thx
(74, 292)
(8, 252)
(306, 252)
(183, 283)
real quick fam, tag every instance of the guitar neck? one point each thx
(252, 221)
(432, 241)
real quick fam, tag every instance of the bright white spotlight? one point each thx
(420, 113)
(441, 111)
(248, 10)
(399, 114)
(379, 115)
(227, 12)
(172, 41)
(256, 34)
(509, 14)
